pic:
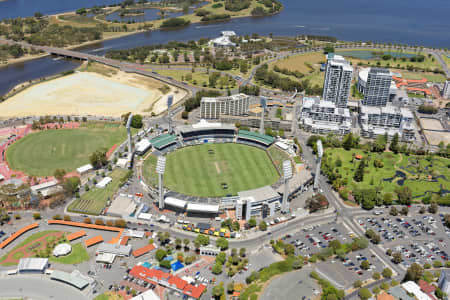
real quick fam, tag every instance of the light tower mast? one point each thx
(160, 169)
(263, 111)
(287, 175)
(319, 161)
(169, 104)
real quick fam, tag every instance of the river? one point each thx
(414, 22)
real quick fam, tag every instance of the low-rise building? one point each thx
(116, 249)
(47, 189)
(324, 117)
(32, 265)
(263, 201)
(390, 120)
(142, 146)
(209, 250)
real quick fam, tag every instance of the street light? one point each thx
(160, 168)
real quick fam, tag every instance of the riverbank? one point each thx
(149, 26)
(93, 89)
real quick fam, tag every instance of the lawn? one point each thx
(304, 63)
(78, 255)
(398, 170)
(419, 75)
(148, 170)
(278, 156)
(202, 170)
(40, 153)
(94, 201)
(200, 79)
(109, 296)
(28, 241)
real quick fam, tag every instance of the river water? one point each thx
(414, 22)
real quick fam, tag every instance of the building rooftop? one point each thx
(122, 205)
(73, 280)
(85, 168)
(259, 194)
(32, 264)
(123, 250)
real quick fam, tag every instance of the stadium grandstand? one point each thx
(255, 138)
(163, 141)
(204, 130)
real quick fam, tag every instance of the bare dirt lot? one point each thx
(435, 137)
(432, 124)
(91, 93)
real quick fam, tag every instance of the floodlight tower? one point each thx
(263, 111)
(169, 104)
(319, 161)
(160, 168)
(130, 150)
(287, 175)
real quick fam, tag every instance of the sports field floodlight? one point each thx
(319, 161)
(169, 117)
(263, 103)
(160, 168)
(130, 145)
(287, 175)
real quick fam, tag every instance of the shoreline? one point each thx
(119, 35)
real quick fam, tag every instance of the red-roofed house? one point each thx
(167, 280)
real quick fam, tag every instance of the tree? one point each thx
(263, 225)
(202, 239)
(37, 216)
(221, 258)
(222, 243)
(59, 174)
(235, 226)
(365, 265)
(364, 293)
(71, 184)
(216, 269)
(242, 252)
(297, 264)
(252, 222)
(334, 244)
(230, 287)
(87, 221)
(433, 208)
(57, 217)
(404, 210)
(165, 264)
(186, 243)
(160, 254)
(178, 243)
(99, 222)
(413, 273)
(393, 211)
(98, 158)
(394, 144)
(376, 276)
(218, 291)
(397, 257)
(359, 174)
(404, 195)
(357, 284)
(387, 273)
(348, 141)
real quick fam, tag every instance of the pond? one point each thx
(369, 54)
(149, 14)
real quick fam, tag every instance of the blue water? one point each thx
(410, 22)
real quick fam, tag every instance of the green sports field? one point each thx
(40, 153)
(204, 170)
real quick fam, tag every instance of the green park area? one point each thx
(94, 201)
(388, 172)
(201, 79)
(41, 153)
(41, 244)
(214, 170)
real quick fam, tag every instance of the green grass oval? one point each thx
(201, 170)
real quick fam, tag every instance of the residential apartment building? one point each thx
(324, 117)
(213, 108)
(338, 80)
(375, 121)
(377, 87)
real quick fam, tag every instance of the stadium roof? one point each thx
(260, 194)
(255, 136)
(204, 125)
(143, 145)
(73, 280)
(117, 249)
(84, 168)
(175, 202)
(206, 208)
(104, 182)
(163, 140)
(32, 264)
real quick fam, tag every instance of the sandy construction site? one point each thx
(84, 93)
